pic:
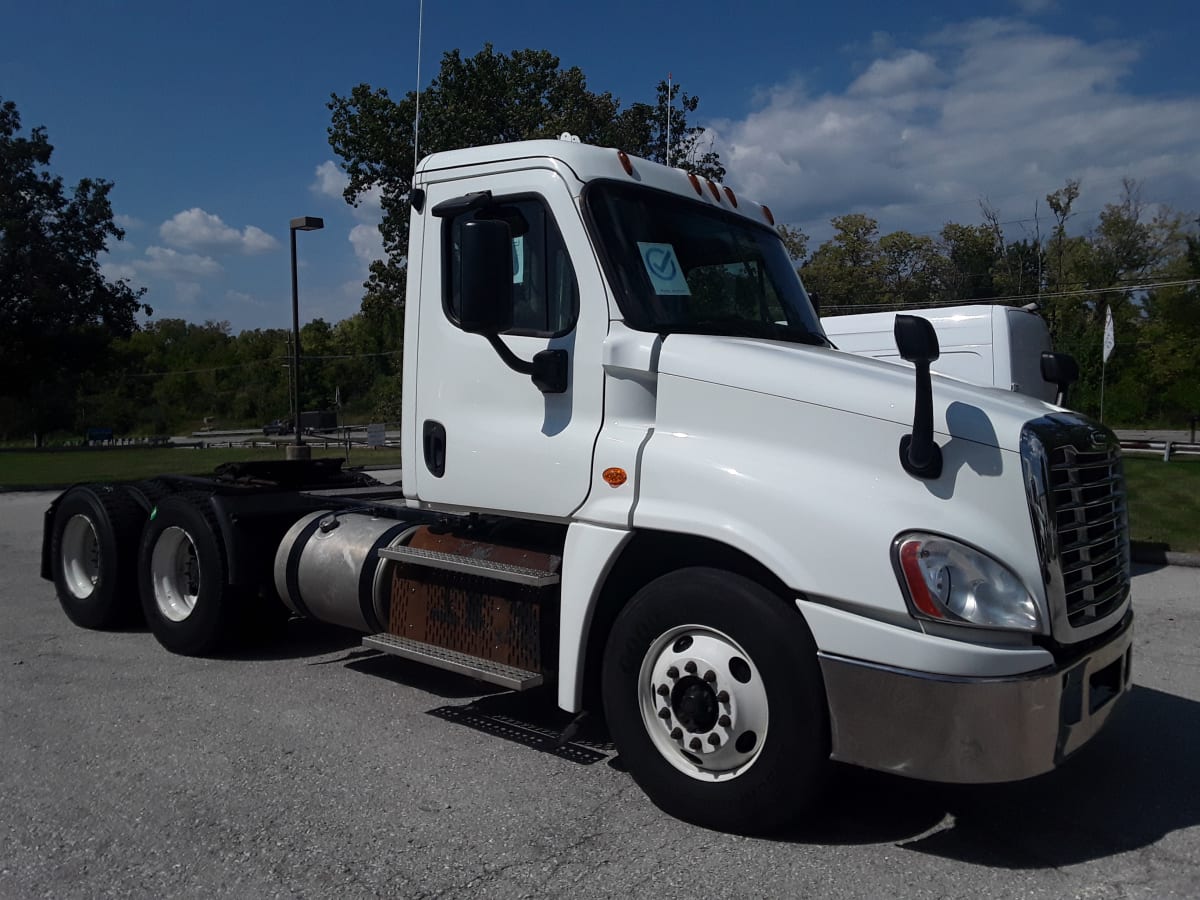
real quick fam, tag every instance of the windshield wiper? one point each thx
(735, 326)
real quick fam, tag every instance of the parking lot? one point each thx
(314, 768)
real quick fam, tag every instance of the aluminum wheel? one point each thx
(80, 556)
(175, 573)
(703, 703)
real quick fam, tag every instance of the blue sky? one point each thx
(211, 117)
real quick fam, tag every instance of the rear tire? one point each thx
(93, 555)
(714, 697)
(183, 576)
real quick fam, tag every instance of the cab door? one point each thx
(487, 437)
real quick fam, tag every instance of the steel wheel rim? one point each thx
(175, 573)
(80, 556)
(711, 720)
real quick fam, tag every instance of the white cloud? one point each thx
(987, 108)
(128, 222)
(330, 181)
(908, 71)
(173, 264)
(118, 271)
(195, 229)
(367, 241)
(187, 293)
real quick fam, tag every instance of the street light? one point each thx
(298, 450)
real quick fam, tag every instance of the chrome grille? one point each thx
(1088, 504)
(1076, 490)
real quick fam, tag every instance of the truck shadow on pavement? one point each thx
(1137, 782)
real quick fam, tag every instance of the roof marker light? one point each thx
(625, 162)
(767, 212)
(716, 193)
(732, 197)
(696, 183)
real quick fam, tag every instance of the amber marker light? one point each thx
(767, 212)
(626, 164)
(732, 197)
(614, 476)
(696, 183)
(910, 552)
(716, 193)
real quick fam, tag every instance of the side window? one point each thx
(545, 293)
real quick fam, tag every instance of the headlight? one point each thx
(947, 581)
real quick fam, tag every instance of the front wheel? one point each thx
(714, 698)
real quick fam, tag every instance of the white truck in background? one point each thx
(635, 471)
(996, 346)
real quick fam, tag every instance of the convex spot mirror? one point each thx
(916, 340)
(485, 303)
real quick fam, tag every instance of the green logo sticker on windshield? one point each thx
(666, 275)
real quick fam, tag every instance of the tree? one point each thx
(489, 98)
(58, 313)
(845, 270)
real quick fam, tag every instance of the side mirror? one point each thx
(918, 343)
(1060, 369)
(486, 267)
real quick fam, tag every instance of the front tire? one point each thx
(714, 697)
(183, 577)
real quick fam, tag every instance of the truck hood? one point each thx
(853, 384)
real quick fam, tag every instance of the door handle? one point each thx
(433, 442)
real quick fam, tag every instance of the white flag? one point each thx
(1109, 340)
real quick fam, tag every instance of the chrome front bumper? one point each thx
(972, 730)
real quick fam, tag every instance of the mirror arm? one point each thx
(919, 453)
(547, 369)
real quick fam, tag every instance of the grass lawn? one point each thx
(1164, 502)
(62, 467)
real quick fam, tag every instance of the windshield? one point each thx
(679, 266)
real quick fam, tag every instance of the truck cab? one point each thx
(637, 472)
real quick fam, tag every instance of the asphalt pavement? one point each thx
(311, 768)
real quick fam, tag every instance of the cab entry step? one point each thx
(462, 663)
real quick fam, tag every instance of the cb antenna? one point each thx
(669, 105)
(417, 117)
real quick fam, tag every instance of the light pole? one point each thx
(298, 450)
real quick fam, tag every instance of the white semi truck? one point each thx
(1005, 347)
(636, 472)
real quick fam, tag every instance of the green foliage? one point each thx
(1164, 502)
(1153, 376)
(58, 314)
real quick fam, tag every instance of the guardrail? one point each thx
(1166, 448)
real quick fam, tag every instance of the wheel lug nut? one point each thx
(723, 697)
(690, 667)
(664, 713)
(663, 690)
(714, 740)
(676, 734)
(723, 721)
(710, 676)
(695, 743)
(672, 672)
